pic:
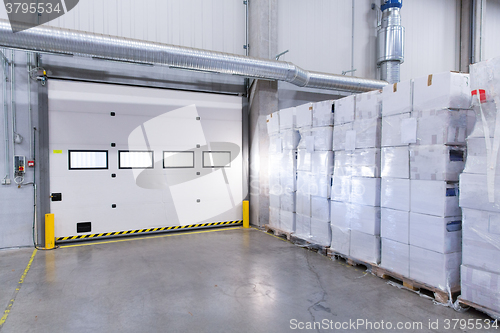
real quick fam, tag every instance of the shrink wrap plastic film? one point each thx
(316, 138)
(287, 221)
(360, 218)
(323, 114)
(303, 115)
(287, 119)
(481, 287)
(397, 98)
(480, 193)
(395, 257)
(368, 105)
(274, 217)
(274, 201)
(437, 162)
(320, 232)
(340, 133)
(303, 227)
(395, 225)
(341, 240)
(359, 163)
(344, 110)
(365, 247)
(395, 162)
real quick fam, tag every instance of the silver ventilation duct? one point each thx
(390, 41)
(64, 41)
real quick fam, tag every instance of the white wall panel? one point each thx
(491, 29)
(318, 34)
(207, 24)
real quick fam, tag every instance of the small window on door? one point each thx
(178, 159)
(88, 159)
(128, 159)
(216, 159)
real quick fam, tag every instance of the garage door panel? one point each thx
(145, 120)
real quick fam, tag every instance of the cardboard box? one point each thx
(365, 219)
(480, 192)
(397, 98)
(288, 182)
(342, 163)
(304, 115)
(365, 163)
(481, 287)
(290, 139)
(438, 270)
(322, 162)
(365, 247)
(320, 185)
(340, 214)
(274, 200)
(368, 105)
(287, 202)
(274, 217)
(303, 226)
(341, 189)
(344, 110)
(477, 156)
(287, 118)
(443, 126)
(439, 234)
(442, 90)
(321, 232)
(274, 183)
(339, 135)
(341, 240)
(304, 160)
(323, 138)
(287, 221)
(391, 130)
(481, 239)
(303, 206)
(365, 191)
(273, 123)
(323, 113)
(395, 225)
(395, 194)
(368, 133)
(395, 257)
(395, 162)
(320, 208)
(437, 162)
(288, 161)
(434, 197)
(306, 138)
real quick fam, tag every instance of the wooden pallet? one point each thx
(493, 314)
(278, 232)
(310, 246)
(351, 261)
(440, 296)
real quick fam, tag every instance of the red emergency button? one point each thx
(31, 164)
(21, 168)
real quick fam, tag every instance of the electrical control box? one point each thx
(19, 166)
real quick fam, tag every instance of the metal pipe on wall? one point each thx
(390, 41)
(13, 100)
(5, 64)
(64, 41)
(30, 115)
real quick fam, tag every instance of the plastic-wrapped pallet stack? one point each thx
(480, 192)
(355, 206)
(424, 126)
(283, 141)
(314, 172)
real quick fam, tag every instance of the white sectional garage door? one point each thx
(128, 159)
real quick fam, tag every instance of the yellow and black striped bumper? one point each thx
(146, 231)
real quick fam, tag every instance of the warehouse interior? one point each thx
(254, 166)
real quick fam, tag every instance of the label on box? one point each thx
(409, 130)
(350, 140)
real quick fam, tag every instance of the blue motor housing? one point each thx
(391, 4)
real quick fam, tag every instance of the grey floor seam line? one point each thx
(14, 295)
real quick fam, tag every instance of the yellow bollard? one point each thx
(49, 232)
(246, 214)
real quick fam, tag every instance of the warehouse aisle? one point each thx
(225, 280)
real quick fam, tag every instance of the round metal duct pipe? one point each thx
(390, 41)
(64, 41)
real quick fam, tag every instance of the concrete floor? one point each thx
(220, 281)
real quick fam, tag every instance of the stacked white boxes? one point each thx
(480, 192)
(283, 141)
(314, 172)
(355, 205)
(424, 126)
